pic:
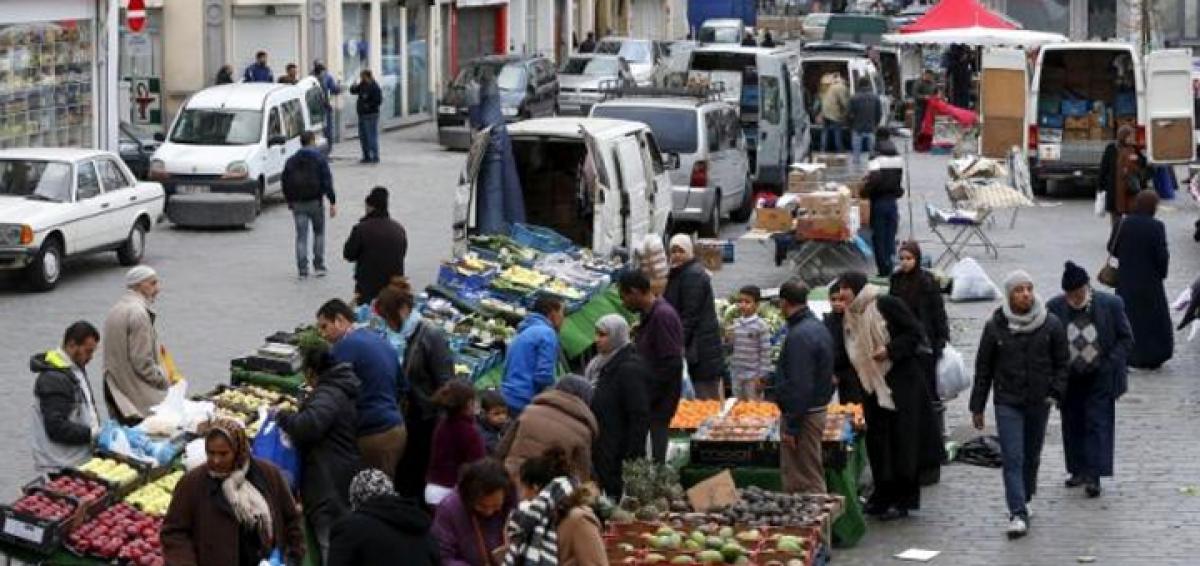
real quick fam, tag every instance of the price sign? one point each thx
(23, 530)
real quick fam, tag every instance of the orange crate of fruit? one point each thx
(754, 409)
(853, 410)
(691, 414)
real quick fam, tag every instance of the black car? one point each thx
(135, 149)
(528, 88)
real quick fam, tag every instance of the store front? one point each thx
(57, 80)
(392, 40)
(140, 73)
(478, 28)
(274, 29)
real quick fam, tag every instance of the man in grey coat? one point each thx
(134, 379)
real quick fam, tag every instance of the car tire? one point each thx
(131, 252)
(45, 271)
(711, 228)
(259, 195)
(742, 212)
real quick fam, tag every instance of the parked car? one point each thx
(60, 203)
(858, 28)
(136, 149)
(528, 87)
(721, 30)
(581, 77)
(644, 56)
(605, 204)
(226, 149)
(814, 26)
(701, 138)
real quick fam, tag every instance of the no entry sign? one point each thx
(135, 15)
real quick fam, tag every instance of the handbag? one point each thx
(1109, 272)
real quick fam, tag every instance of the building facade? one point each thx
(1171, 22)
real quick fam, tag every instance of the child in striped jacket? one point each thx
(751, 337)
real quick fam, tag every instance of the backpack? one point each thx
(302, 178)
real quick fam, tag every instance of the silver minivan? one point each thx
(705, 154)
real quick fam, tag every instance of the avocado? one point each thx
(751, 535)
(714, 543)
(732, 551)
(654, 558)
(710, 557)
(683, 559)
(790, 545)
(726, 532)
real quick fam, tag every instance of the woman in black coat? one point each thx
(1140, 245)
(849, 390)
(323, 431)
(689, 290)
(620, 403)
(384, 529)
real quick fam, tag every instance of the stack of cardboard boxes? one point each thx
(825, 216)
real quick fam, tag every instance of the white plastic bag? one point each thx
(951, 374)
(1098, 206)
(971, 282)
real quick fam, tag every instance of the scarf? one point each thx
(248, 503)
(532, 530)
(1028, 322)
(617, 329)
(865, 332)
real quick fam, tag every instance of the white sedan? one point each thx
(58, 203)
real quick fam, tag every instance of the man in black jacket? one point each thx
(370, 98)
(802, 387)
(377, 246)
(307, 181)
(884, 185)
(64, 412)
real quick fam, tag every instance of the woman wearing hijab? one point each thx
(883, 341)
(1122, 172)
(1023, 355)
(689, 290)
(234, 509)
(382, 527)
(619, 403)
(554, 524)
(1140, 245)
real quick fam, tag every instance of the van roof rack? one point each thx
(709, 92)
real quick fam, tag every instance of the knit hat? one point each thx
(378, 199)
(1015, 279)
(684, 242)
(138, 274)
(576, 385)
(1073, 277)
(369, 484)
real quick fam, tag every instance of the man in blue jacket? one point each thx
(802, 387)
(533, 355)
(307, 182)
(258, 72)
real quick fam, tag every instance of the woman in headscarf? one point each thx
(1122, 173)
(382, 527)
(620, 402)
(234, 509)
(883, 341)
(689, 290)
(555, 524)
(1140, 245)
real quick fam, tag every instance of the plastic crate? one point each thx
(39, 535)
(450, 278)
(1071, 107)
(111, 489)
(1125, 104)
(541, 238)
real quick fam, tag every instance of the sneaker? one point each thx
(320, 272)
(1017, 527)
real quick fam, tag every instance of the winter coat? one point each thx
(579, 540)
(377, 246)
(428, 364)
(803, 381)
(256, 73)
(370, 98)
(1113, 334)
(1109, 181)
(200, 528)
(134, 380)
(1141, 248)
(60, 430)
(380, 531)
(622, 410)
(325, 433)
(456, 443)
(659, 340)
(530, 362)
(848, 387)
(1025, 369)
(921, 295)
(834, 102)
(306, 177)
(491, 435)
(689, 290)
(865, 112)
(376, 367)
(455, 532)
(554, 418)
(885, 178)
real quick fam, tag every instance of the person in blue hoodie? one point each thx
(533, 355)
(258, 72)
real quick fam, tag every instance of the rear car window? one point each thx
(674, 128)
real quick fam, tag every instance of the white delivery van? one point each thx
(628, 197)
(766, 86)
(1080, 94)
(226, 149)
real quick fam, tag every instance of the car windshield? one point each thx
(591, 66)
(632, 51)
(40, 180)
(210, 126)
(674, 128)
(720, 35)
(509, 76)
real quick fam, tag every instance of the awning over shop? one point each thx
(954, 14)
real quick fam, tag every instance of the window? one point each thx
(546, 72)
(274, 125)
(314, 98)
(733, 128)
(655, 155)
(87, 184)
(205, 126)
(39, 180)
(713, 130)
(676, 127)
(112, 175)
(770, 99)
(293, 118)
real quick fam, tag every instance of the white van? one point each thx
(226, 149)
(1081, 93)
(629, 198)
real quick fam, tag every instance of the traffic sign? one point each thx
(135, 15)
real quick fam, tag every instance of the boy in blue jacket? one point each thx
(533, 355)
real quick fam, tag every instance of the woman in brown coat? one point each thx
(554, 502)
(557, 417)
(233, 510)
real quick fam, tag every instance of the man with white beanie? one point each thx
(134, 379)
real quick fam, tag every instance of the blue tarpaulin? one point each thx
(499, 202)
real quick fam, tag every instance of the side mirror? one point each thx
(671, 160)
(276, 140)
(159, 137)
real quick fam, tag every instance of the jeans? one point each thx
(329, 126)
(861, 142)
(305, 213)
(1022, 430)
(368, 137)
(885, 221)
(834, 130)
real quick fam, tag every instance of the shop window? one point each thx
(1042, 15)
(87, 184)
(46, 78)
(293, 117)
(114, 179)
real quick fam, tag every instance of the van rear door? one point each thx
(634, 184)
(1002, 86)
(607, 223)
(1169, 113)
(464, 194)
(772, 121)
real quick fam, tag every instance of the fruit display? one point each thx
(854, 410)
(154, 498)
(120, 532)
(249, 398)
(517, 278)
(707, 543)
(110, 470)
(43, 506)
(81, 488)
(758, 507)
(503, 248)
(836, 428)
(739, 429)
(691, 414)
(760, 409)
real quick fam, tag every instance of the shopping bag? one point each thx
(274, 446)
(951, 374)
(168, 365)
(1098, 206)
(971, 282)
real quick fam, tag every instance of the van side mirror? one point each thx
(276, 140)
(671, 160)
(159, 137)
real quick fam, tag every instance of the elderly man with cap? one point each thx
(689, 290)
(1099, 340)
(1023, 355)
(377, 246)
(134, 378)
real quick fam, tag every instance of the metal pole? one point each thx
(908, 189)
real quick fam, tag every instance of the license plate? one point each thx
(1050, 152)
(190, 189)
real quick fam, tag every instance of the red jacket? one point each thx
(456, 442)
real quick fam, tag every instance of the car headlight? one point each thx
(447, 110)
(158, 170)
(16, 234)
(237, 170)
(509, 111)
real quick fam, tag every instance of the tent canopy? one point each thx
(952, 14)
(976, 37)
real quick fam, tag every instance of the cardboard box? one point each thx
(773, 219)
(825, 203)
(823, 228)
(832, 159)
(1070, 135)
(1096, 133)
(1127, 121)
(864, 211)
(856, 187)
(1077, 122)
